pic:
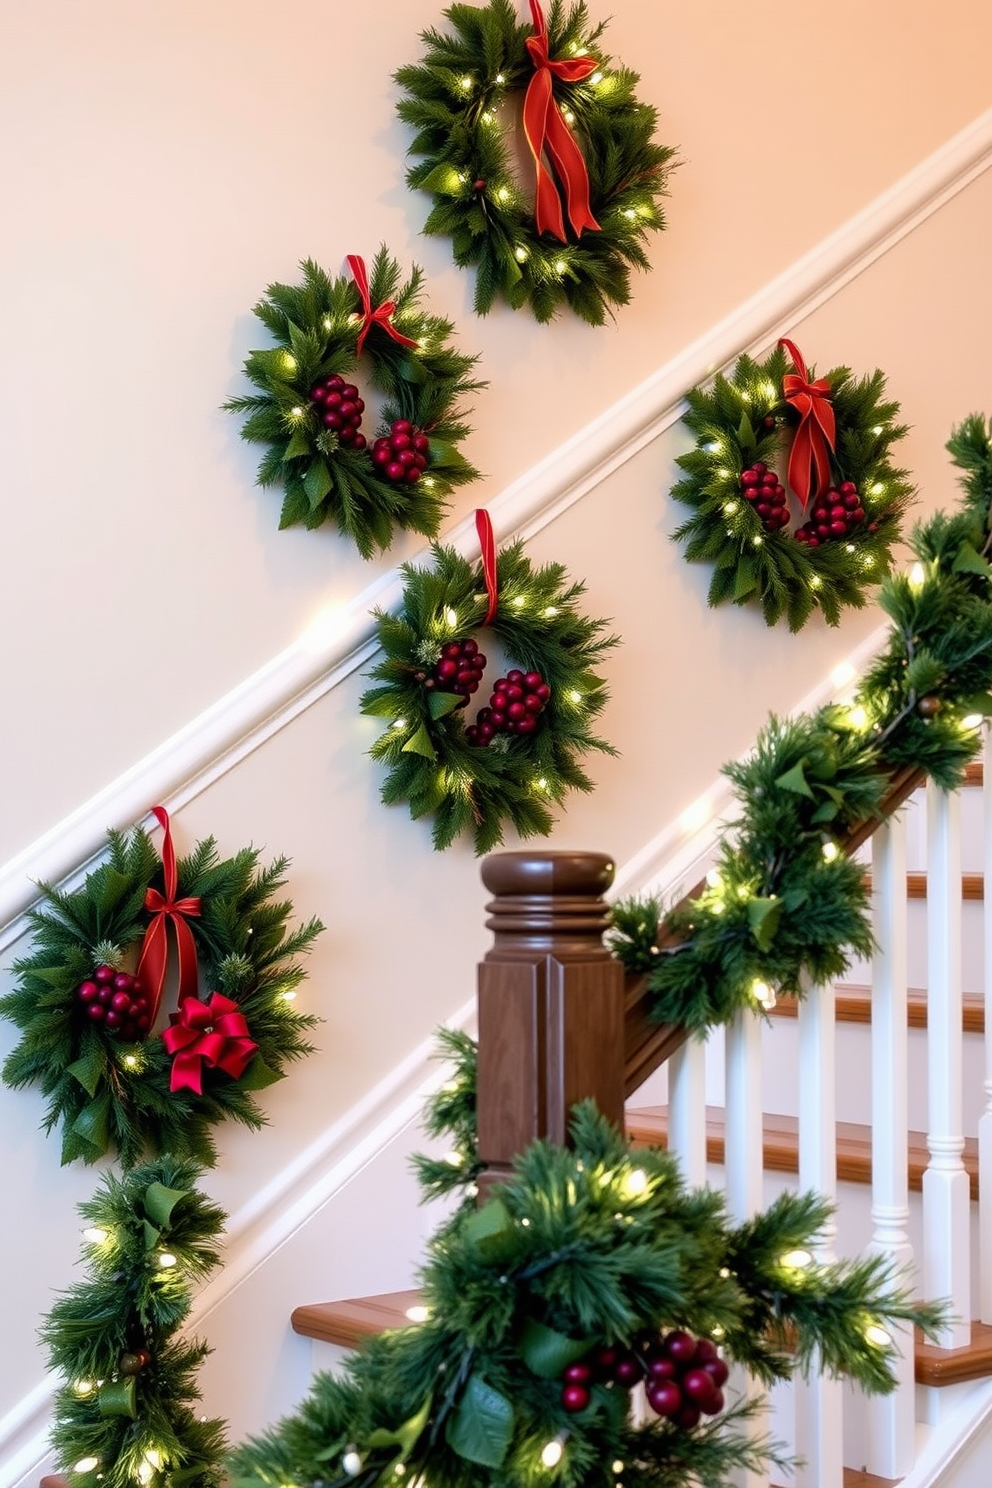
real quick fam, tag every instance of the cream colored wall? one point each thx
(161, 166)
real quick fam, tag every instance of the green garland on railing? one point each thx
(451, 1113)
(126, 1413)
(783, 905)
(590, 1269)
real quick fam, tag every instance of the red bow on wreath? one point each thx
(214, 1034)
(381, 316)
(816, 436)
(168, 909)
(546, 130)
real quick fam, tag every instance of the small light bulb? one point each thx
(636, 1182)
(857, 716)
(714, 879)
(296, 412)
(560, 266)
(541, 784)
(830, 851)
(597, 77)
(451, 617)
(399, 724)
(630, 214)
(618, 1466)
(518, 602)
(130, 1062)
(83, 1387)
(95, 1234)
(796, 1260)
(86, 1464)
(724, 1273)
(550, 611)
(815, 581)
(971, 720)
(167, 1260)
(525, 1222)
(418, 1314)
(877, 1335)
(503, 193)
(466, 85)
(729, 507)
(569, 117)
(878, 488)
(574, 697)
(454, 1159)
(500, 79)
(877, 429)
(429, 482)
(758, 541)
(762, 993)
(553, 1452)
(520, 254)
(327, 322)
(290, 996)
(770, 390)
(352, 1463)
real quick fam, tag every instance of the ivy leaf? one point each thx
(160, 1202)
(795, 780)
(547, 1352)
(763, 916)
(481, 1429)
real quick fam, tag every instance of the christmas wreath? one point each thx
(580, 116)
(88, 999)
(839, 433)
(521, 754)
(309, 412)
(126, 1411)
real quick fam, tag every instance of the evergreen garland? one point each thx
(453, 97)
(431, 762)
(316, 326)
(104, 1093)
(125, 1412)
(451, 1112)
(740, 420)
(585, 1250)
(784, 905)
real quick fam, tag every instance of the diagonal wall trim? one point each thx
(341, 641)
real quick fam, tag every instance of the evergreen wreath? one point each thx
(611, 185)
(522, 753)
(88, 1036)
(840, 431)
(126, 1410)
(308, 412)
(585, 1271)
(784, 905)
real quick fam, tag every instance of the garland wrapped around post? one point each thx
(125, 1412)
(592, 1269)
(784, 906)
(89, 994)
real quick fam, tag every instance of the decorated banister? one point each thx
(551, 1002)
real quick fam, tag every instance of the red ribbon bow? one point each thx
(817, 433)
(487, 542)
(380, 316)
(546, 130)
(214, 1034)
(167, 908)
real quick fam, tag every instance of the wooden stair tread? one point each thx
(972, 885)
(648, 1126)
(854, 1006)
(937, 1366)
(348, 1322)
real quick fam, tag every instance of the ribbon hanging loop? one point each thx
(547, 132)
(816, 436)
(487, 544)
(381, 315)
(166, 909)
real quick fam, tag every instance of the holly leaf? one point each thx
(420, 743)
(440, 704)
(547, 1352)
(89, 1070)
(259, 1075)
(795, 780)
(92, 1125)
(763, 916)
(969, 560)
(490, 1230)
(481, 1429)
(160, 1202)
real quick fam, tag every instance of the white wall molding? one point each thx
(341, 640)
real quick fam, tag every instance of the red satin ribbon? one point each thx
(816, 436)
(167, 908)
(487, 542)
(546, 130)
(214, 1034)
(380, 316)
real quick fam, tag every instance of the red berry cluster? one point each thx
(766, 493)
(517, 702)
(459, 669)
(833, 515)
(683, 1376)
(402, 453)
(134, 1363)
(343, 410)
(114, 1001)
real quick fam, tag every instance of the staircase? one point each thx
(758, 1108)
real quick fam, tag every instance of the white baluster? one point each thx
(891, 1428)
(985, 1122)
(687, 1110)
(744, 1163)
(946, 1189)
(819, 1401)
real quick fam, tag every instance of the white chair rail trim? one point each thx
(342, 640)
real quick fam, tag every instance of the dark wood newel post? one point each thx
(551, 1002)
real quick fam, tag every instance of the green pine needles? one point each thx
(433, 763)
(126, 1410)
(451, 1113)
(104, 1093)
(455, 100)
(315, 326)
(586, 1253)
(784, 906)
(743, 420)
